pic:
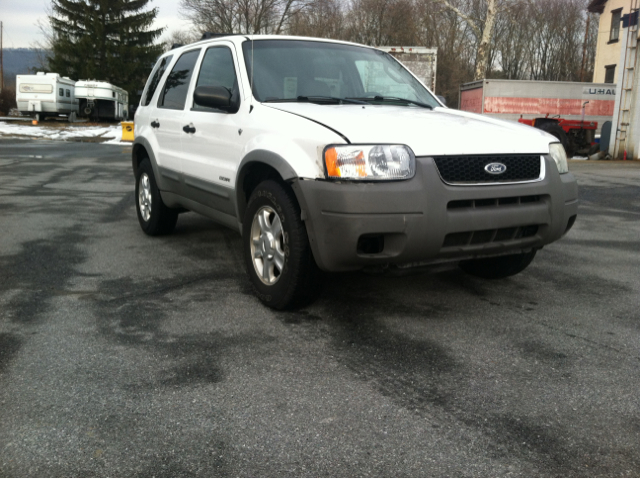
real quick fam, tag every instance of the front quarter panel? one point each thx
(291, 137)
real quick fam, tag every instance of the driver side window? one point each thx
(217, 69)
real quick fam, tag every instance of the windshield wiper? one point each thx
(395, 98)
(311, 98)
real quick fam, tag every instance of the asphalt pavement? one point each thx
(126, 355)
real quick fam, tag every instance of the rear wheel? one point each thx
(278, 258)
(498, 267)
(154, 216)
(555, 130)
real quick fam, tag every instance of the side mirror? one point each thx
(442, 99)
(217, 97)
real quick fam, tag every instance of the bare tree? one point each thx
(381, 22)
(241, 16)
(322, 18)
(483, 27)
(179, 37)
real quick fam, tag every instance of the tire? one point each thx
(154, 216)
(498, 267)
(555, 130)
(277, 254)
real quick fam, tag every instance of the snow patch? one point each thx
(111, 133)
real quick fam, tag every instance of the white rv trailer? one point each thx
(46, 94)
(102, 100)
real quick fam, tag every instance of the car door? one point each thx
(214, 143)
(167, 119)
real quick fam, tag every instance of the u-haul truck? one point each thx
(46, 94)
(572, 111)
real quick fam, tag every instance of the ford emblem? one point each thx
(495, 168)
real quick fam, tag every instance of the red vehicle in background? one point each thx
(573, 112)
(577, 136)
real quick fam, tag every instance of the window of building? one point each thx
(614, 33)
(68, 93)
(610, 73)
(61, 91)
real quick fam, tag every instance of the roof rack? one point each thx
(209, 35)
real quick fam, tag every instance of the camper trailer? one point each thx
(45, 95)
(102, 100)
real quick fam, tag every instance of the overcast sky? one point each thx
(20, 20)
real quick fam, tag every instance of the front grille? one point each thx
(511, 200)
(489, 236)
(470, 169)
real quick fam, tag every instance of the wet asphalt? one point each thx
(125, 355)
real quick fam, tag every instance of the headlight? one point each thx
(369, 162)
(556, 150)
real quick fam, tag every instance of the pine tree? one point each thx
(108, 40)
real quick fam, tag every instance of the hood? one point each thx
(441, 131)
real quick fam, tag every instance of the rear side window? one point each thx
(174, 94)
(156, 75)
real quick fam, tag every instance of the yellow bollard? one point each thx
(127, 130)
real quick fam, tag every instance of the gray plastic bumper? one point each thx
(424, 220)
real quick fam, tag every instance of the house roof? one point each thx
(596, 6)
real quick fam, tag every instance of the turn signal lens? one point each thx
(370, 162)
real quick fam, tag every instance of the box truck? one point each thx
(572, 111)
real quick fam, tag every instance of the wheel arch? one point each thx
(255, 167)
(141, 150)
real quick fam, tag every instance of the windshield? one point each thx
(299, 70)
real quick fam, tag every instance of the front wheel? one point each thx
(498, 267)
(154, 216)
(276, 248)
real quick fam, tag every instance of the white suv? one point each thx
(331, 156)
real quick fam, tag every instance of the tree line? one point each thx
(113, 40)
(527, 39)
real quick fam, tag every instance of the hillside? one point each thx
(18, 61)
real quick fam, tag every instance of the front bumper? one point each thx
(424, 220)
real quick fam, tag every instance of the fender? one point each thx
(138, 143)
(274, 160)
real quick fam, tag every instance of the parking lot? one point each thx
(126, 355)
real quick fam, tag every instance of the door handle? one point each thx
(189, 128)
(155, 124)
